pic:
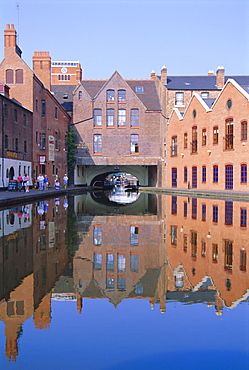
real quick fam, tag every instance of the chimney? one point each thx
(10, 45)
(42, 67)
(210, 72)
(164, 75)
(153, 75)
(220, 77)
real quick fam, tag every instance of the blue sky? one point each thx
(134, 37)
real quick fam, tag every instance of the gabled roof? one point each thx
(149, 97)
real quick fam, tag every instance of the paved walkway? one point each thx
(13, 197)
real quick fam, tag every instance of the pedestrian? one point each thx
(46, 182)
(19, 183)
(57, 184)
(26, 182)
(65, 180)
(40, 180)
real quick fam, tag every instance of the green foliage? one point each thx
(71, 146)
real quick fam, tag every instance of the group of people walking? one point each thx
(42, 182)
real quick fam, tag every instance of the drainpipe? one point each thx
(2, 142)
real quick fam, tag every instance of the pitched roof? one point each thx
(200, 82)
(149, 97)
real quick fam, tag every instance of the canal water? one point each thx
(124, 280)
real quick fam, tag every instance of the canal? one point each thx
(124, 280)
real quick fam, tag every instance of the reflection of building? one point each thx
(208, 238)
(31, 261)
(120, 257)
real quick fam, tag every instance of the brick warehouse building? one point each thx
(119, 124)
(207, 147)
(50, 120)
(15, 138)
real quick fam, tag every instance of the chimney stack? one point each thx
(10, 45)
(42, 67)
(164, 75)
(153, 75)
(220, 77)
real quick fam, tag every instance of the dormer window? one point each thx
(139, 89)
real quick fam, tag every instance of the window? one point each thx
(121, 95)
(110, 95)
(97, 235)
(185, 139)
(215, 253)
(194, 139)
(215, 174)
(25, 146)
(229, 135)
(194, 208)
(228, 255)
(80, 94)
(24, 120)
(133, 261)
(229, 103)
(36, 105)
(121, 262)
(134, 143)
(242, 260)
(228, 213)
(174, 205)
(56, 112)
(203, 212)
(185, 209)
(203, 248)
(121, 283)
(174, 146)
(174, 177)
(121, 117)
(134, 117)
(9, 76)
(110, 261)
(243, 173)
(139, 89)
(16, 145)
(15, 115)
(204, 137)
(97, 143)
(97, 117)
(244, 130)
(194, 177)
(243, 217)
(173, 234)
(134, 235)
(43, 108)
(109, 283)
(185, 174)
(110, 118)
(215, 135)
(185, 243)
(97, 261)
(43, 141)
(179, 98)
(229, 177)
(215, 214)
(204, 174)
(65, 96)
(205, 95)
(6, 141)
(19, 76)
(5, 110)
(193, 244)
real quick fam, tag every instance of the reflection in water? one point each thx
(120, 195)
(159, 248)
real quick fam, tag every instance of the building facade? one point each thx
(119, 127)
(50, 120)
(207, 147)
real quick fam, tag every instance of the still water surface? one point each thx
(124, 281)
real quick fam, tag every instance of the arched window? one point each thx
(244, 130)
(9, 76)
(194, 139)
(110, 95)
(19, 76)
(121, 95)
(215, 135)
(97, 117)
